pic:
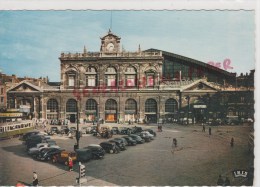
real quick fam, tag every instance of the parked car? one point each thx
(147, 135)
(124, 130)
(83, 155)
(35, 152)
(109, 147)
(151, 131)
(123, 141)
(28, 135)
(97, 151)
(115, 130)
(53, 130)
(137, 138)
(129, 140)
(136, 129)
(64, 130)
(63, 157)
(48, 153)
(50, 142)
(119, 143)
(86, 130)
(37, 147)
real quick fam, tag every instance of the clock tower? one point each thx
(110, 43)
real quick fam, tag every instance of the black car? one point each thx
(54, 130)
(64, 130)
(97, 151)
(34, 140)
(109, 147)
(115, 130)
(84, 154)
(119, 143)
(125, 130)
(137, 138)
(47, 154)
(129, 140)
(122, 140)
(28, 135)
(136, 129)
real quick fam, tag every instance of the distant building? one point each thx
(115, 85)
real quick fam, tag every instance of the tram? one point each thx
(12, 129)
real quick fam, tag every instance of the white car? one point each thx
(147, 134)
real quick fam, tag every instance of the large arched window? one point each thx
(111, 110)
(71, 105)
(52, 105)
(91, 110)
(111, 77)
(151, 106)
(171, 105)
(91, 77)
(130, 77)
(130, 105)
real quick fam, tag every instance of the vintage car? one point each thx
(48, 153)
(109, 147)
(97, 151)
(129, 140)
(119, 143)
(63, 157)
(137, 138)
(83, 155)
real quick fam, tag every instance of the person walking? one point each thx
(35, 179)
(203, 127)
(210, 131)
(70, 163)
(220, 181)
(232, 142)
(174, 142)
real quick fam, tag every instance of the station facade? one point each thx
(142, 86)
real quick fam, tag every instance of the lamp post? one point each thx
(77, 132)
(188, 99)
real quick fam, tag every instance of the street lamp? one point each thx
(188, 99)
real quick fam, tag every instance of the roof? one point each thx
(193, 61)
(110, 34)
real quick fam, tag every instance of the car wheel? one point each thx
(111, 151)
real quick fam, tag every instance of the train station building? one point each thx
(143, 86)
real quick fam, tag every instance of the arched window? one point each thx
(130, 105)
(111, 110)
(91, 77)
(151, 106)
(71, 105)
(52, 105)
(130, 77)
(171, 105)
(111, 77)
(91, 104)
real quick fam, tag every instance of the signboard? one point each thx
(199, 106)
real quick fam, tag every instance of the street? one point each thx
(198, 159)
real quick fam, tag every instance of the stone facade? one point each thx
(115, 86)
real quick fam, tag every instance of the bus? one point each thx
(12, 129)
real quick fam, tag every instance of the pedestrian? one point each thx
(174, 142)
(203, 127)
(70, 161)
(210, 131)
(220, 181)
(227, 182)
(35, 179)
(232, 142)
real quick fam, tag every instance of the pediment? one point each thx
(201, 86)
(25, 87)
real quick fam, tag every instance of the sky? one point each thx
(31, 41)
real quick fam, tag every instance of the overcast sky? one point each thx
(31, 41)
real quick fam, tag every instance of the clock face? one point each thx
(110, 47)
